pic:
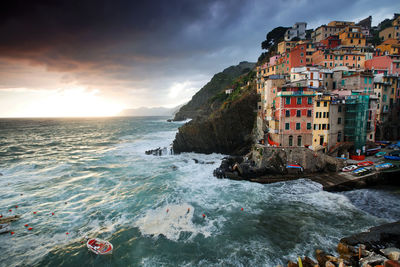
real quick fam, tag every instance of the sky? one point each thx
(71, 58)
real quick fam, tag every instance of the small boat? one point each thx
(392, 157)
(100, 247)
(294, 166)
(380, 154)
(361, 171)
(349, 168)
(4, 228)
(373, 151)
(365, 163)
(384, 166)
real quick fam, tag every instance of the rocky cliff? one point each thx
(227, 130)
(199, 104)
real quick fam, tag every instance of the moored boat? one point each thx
(384, 166)
(380, 154)
(392, 157)
(365, 163)
(100, 247)
(349, 168)
(361, 171)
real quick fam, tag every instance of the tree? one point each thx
(274, 37)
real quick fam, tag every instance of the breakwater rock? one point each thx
(227, 130)
(270, 164)
(379, 246)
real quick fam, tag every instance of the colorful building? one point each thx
(391, 32)
(390, 46)
(321, 123)
(352, 36)
(387, 64)
(298, 30)
(325, 31)
(331, 42)
(292, 115)
(285, 46)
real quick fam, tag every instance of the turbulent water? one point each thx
(94, 176)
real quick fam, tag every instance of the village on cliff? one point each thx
(335, 86)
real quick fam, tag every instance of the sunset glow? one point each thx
(73, 102)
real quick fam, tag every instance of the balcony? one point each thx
(297, 93)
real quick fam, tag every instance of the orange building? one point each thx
(352, 36)
(323, 58)
(390, 46)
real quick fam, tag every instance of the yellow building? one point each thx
(321, 124)
(285, 46)
(390, 46)
(391, 32)
(352, 36)
(337, 23)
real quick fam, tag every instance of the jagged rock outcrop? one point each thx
(276, 158)
(199, 104)
(227, 130)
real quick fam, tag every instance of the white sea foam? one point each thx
(170, 221)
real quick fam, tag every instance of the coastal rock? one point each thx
(159, 151)
(226, 131)
(346, 251)
(307, 262)
(277, 159)
(292, 264)
(372, 260)
(386, 235)
(321, 257)
(391, 253)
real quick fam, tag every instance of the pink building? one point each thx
(388, 64)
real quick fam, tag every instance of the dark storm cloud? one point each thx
(151, 44)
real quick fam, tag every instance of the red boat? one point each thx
(99, 247)
(365, 163)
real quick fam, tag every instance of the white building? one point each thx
(316, 77)
(298, 30)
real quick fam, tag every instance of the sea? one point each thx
(70, 178)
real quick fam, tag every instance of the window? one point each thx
(343, 82)
(325, 103)
(321, 140)
(340, 108)
(309, 100)
(302, 54)
(298, 126)
(319, 126)
(324, 114)
(339, 120)
(287, 101)
(287, 126)
(339, 136)
(308, 126)
(324, 126)
(308, 113)
(318, 103)
(365, 80)
(327, 115)
(299, 101)
(298, 113)
(299, 140)
(290, 140)
(384, 98)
